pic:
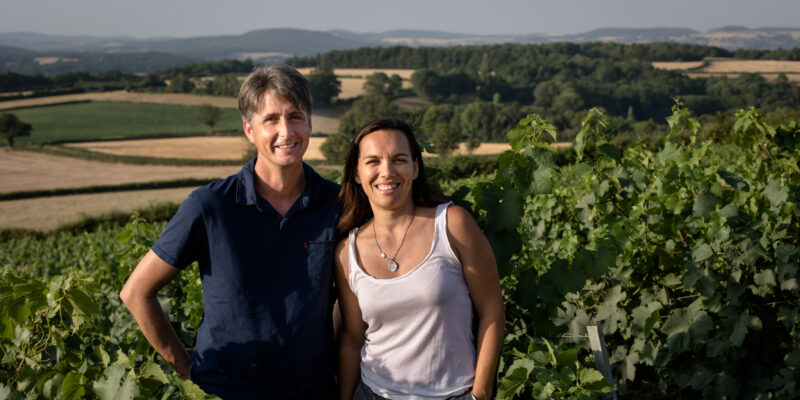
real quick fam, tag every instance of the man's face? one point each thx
(280, 131)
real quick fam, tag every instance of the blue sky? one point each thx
(184, 18)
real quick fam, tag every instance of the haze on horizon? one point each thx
(187, 18)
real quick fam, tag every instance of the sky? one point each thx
(187, 18)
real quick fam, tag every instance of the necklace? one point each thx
(392, 263)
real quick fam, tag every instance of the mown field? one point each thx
(116, 120)
(732, 68)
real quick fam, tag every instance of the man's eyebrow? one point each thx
(270, 115)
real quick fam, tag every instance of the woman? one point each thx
(409, 274)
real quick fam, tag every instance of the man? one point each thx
(263, 239)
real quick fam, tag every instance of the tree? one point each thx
(224, 85)
(152, 81)
(365, 109)
(334, 148)
(11, 127)
(180, 84)
(208, 115)
(381, 84)
(324, 85)
(445, 138)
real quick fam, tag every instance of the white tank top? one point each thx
(419, 342)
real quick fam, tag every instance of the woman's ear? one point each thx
(416, 168)
(357, 179)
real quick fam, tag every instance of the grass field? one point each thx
(123, 96)
(112, 120)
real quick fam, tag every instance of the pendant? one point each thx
(392, 265)
(383, 255)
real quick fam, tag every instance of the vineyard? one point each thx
(687, 257)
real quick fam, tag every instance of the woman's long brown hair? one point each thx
(356, 210)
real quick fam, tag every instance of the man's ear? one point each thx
(248, 131)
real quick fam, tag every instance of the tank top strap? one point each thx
(440, 242)
(352, 261)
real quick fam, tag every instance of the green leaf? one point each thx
(776, 193)
(765, 277)
(543, 391)
(610, 151)
(81, 300)
(515, 380)
(116, 384)
(702, 253)
(744, 321)
(51, 386)
(71, 386)
(590, 375)
(704, 204)
(193, 392)
(511, 213)
(567, 357)
(151, 370)
(792, 358)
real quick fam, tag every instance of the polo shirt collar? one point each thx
(246, 189)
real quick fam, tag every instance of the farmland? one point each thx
(769, 69)
(25, 171)
(68, 122)
(685, 251)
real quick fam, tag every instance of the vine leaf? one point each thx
(71, 387)
(515, 380)
(701, 253)
(116, 384)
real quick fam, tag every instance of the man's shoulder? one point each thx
(216, 191)
(327, 188)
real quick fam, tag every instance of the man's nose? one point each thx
(284, 127)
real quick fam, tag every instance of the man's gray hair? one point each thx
(279, 80)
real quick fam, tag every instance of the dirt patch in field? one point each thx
(204, 148)
(677, 65)
(716, 65)
(769, 69)
(412, 102)
(123, 96)
(199, 148)
(48, 213)
(24, 171)
(363, 72)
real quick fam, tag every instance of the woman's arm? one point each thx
(480, 273)
(352, 327)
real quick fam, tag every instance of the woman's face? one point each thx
(385, 169)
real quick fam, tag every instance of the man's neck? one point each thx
(280, 187)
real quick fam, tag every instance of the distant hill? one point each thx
(8, 51)
(55, 54)
(631, 35)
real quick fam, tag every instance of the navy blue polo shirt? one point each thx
(266, 330)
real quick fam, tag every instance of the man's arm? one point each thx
(139, 295)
